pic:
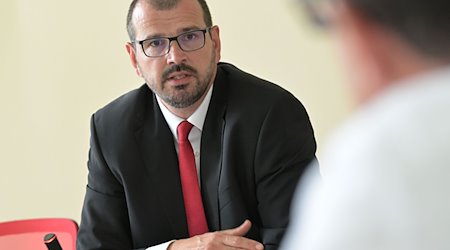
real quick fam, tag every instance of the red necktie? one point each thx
(193, 205)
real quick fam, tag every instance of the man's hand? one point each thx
(226, 239)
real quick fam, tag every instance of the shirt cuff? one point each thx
(162, 246)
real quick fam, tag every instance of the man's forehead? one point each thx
(145, 9)
(183, 17)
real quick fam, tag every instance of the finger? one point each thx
(238, 242)
(240, 230)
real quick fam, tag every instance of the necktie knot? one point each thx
(183, 130)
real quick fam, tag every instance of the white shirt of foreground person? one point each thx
(386, 176)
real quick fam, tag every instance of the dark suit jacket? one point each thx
(256, 141)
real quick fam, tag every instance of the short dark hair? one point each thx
(425, 24)
(163, 5)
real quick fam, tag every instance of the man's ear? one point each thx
(132, 54)
(365, 48)
(215, 37)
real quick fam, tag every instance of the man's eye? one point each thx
(156, 43)
(189, 36)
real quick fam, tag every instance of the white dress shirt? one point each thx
(386, 176)
(197, 119)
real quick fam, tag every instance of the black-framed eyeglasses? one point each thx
(187, 41)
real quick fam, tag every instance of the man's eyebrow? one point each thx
(190, 28)
(153, 36)
(179, 31)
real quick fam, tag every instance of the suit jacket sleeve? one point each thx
(104, 222)
(286, 146)
(267, 143)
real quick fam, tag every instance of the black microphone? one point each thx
(52, 242)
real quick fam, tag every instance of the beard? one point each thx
(184, 95)
(180, 96)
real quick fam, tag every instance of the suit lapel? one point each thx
(211, 151)
(161, 162)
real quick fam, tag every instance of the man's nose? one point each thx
(176, 55)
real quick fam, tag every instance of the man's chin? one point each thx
(182, 102)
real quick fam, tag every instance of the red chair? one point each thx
(29, 234)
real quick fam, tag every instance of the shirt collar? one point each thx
(197, 118)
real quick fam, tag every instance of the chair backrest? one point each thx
(29, 234)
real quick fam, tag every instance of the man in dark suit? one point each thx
(251, 140)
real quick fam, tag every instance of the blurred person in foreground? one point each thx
(385, 171)
(251, 141)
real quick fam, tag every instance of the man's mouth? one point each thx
(178, 73)
(178, 76)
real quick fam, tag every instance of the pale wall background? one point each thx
(62, 60)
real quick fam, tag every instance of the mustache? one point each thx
(177, 68)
